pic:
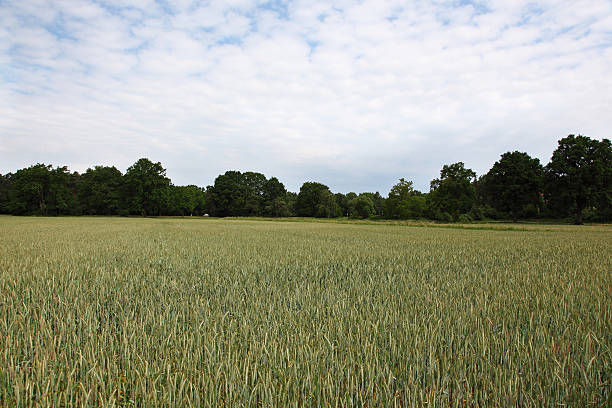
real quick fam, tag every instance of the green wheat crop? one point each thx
(230, 313)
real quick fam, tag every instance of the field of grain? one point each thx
(170, 312)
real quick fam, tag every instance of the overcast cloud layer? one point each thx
(355, 95)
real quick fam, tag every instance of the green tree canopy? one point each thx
(342, 202)
(146, 188)
(247, 194)
(227, 197)
(362, 206)
(404, 202)
(29, 190)
(275, 201)
(273, 189)
(454, 192)
(254, 190)
(315, 200)
(42, 190)
(186, 200)
(514, 184)
(5, 182)
(379, 204)
(579, 175)
(99, 191)
(62, 199)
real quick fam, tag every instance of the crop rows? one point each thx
(154, 312)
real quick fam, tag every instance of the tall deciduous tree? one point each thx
(236, 194)
(579, 175)
(62, 198)
(5, 182)
(42, 190)
(146, 188)
(514, 184)
(291, 199)
(454, 192)
(275, 203)
(273, 189)
(405, 202)
(379, 204)
(247, 194)
(100, 191)
(362, 206)
(227, 197)
(326, 205)
(343, 203)
(254, 189)
(315, 200)
(29, 190)
(186, 200)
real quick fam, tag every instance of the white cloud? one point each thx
(356, 95)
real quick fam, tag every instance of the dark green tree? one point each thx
(315, 200)
(29, 190)
(186, 201)
(275, 203)
(246, 194)
(342, 202)
(379, 204)
(254, 190)
(62, 197)
(579, 176)
(326, 205)
(273, 189)
(291, 199)
(227, 197)
(279, 207)
(400, 193)
(514, 185)
(362, 206)
(146, 188)
(454, 193)
(42, 190)
(5, 183)
(349, 204)
(404, 202)
(99, 191)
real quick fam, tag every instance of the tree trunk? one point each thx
(579, 217)
(579, 209)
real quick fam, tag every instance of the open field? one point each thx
(205, 312)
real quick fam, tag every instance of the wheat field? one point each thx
(121, 312)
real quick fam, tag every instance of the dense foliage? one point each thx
(577, 183)
(454, 193)
(315, 200)
(247, 194)
(579, 176)
(513, 186)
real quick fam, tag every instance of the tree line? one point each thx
(576, 183)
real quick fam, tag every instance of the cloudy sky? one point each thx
(353, 94)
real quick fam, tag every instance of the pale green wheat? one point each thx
(154, 312)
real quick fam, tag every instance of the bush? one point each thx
(444, 217)
(464, 218)
(530, 211)
(477, 213)
(491, 213)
